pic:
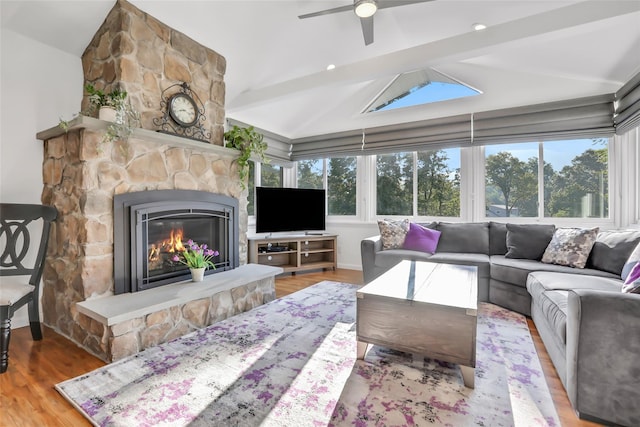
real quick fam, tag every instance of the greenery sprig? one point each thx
(249, 142)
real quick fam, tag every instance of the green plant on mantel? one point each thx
(249, 142)
(126, 117)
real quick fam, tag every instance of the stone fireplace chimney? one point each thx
(82, 174)
(145, 57)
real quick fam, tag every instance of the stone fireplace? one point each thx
(86, 177)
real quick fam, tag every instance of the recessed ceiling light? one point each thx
(478, 26)
(330, 67)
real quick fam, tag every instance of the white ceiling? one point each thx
(533, 51)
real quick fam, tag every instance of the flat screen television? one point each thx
(289, 209)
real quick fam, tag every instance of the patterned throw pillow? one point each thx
(570, 247)
(632, 284)
(393, 233)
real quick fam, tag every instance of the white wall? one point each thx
(38, 85)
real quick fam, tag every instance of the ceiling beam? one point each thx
(456, 48)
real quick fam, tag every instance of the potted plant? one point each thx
(106, 103)
(249, 142)
(197, 258)
(114, 107)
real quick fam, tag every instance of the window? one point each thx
(511, 180)
(394, 185)
(548, 179)
(419, 87)
(270, 175)
(310, 173)
(252, 189)
(436, 192)
(577, 181)
(341, 185)
(439, 182)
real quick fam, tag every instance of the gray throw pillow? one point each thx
(528, 241)
(497, 238)
(469, 237)
(612, 250)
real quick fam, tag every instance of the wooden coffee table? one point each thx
(424, 308)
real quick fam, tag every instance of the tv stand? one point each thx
(295, 252)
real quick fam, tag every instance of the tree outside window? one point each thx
(310, 173)
(341, 185)
(579, 186)
(438, 188)
(574, 181)
(511, 180)
(394, 184)
(439, 183)
(270, 175)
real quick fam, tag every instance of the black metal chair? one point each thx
(20, 283)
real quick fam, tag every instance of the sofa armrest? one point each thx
(368, 249)
(603, 349)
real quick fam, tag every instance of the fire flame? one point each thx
(172, 244)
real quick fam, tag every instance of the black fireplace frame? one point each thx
(127, 209)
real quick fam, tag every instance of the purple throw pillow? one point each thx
(421, 239)
(632, 283)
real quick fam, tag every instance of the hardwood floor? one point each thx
(28, 397)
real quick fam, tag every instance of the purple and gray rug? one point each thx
(292, 363)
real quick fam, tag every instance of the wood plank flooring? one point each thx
(27, 396)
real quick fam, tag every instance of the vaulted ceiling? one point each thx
(531, 52)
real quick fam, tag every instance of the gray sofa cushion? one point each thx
(466, 237)
(549, 291)
(612, 249)
(497, 238)
(515, 271)
(528, 241)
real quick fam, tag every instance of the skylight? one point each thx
(417, 88)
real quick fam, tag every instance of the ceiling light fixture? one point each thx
(478, 27)
(365, 8)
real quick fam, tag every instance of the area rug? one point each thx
(292, 362)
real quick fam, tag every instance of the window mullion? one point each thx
(415, 183)
(541, 180)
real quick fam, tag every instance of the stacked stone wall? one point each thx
(144, 57)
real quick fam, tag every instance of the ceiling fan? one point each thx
(364, 9)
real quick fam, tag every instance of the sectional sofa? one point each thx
(590, 328)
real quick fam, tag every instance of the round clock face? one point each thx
(183, 109)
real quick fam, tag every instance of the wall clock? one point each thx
(183, 109)
(183, 113)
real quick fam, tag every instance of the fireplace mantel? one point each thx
(90, 123)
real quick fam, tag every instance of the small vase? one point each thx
(197, 274)
(107, 113)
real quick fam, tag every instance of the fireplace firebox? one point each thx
(151, 227)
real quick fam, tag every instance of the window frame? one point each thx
(608, 222)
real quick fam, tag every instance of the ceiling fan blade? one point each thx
(367, 29)
(327, 11)
(383, 4)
